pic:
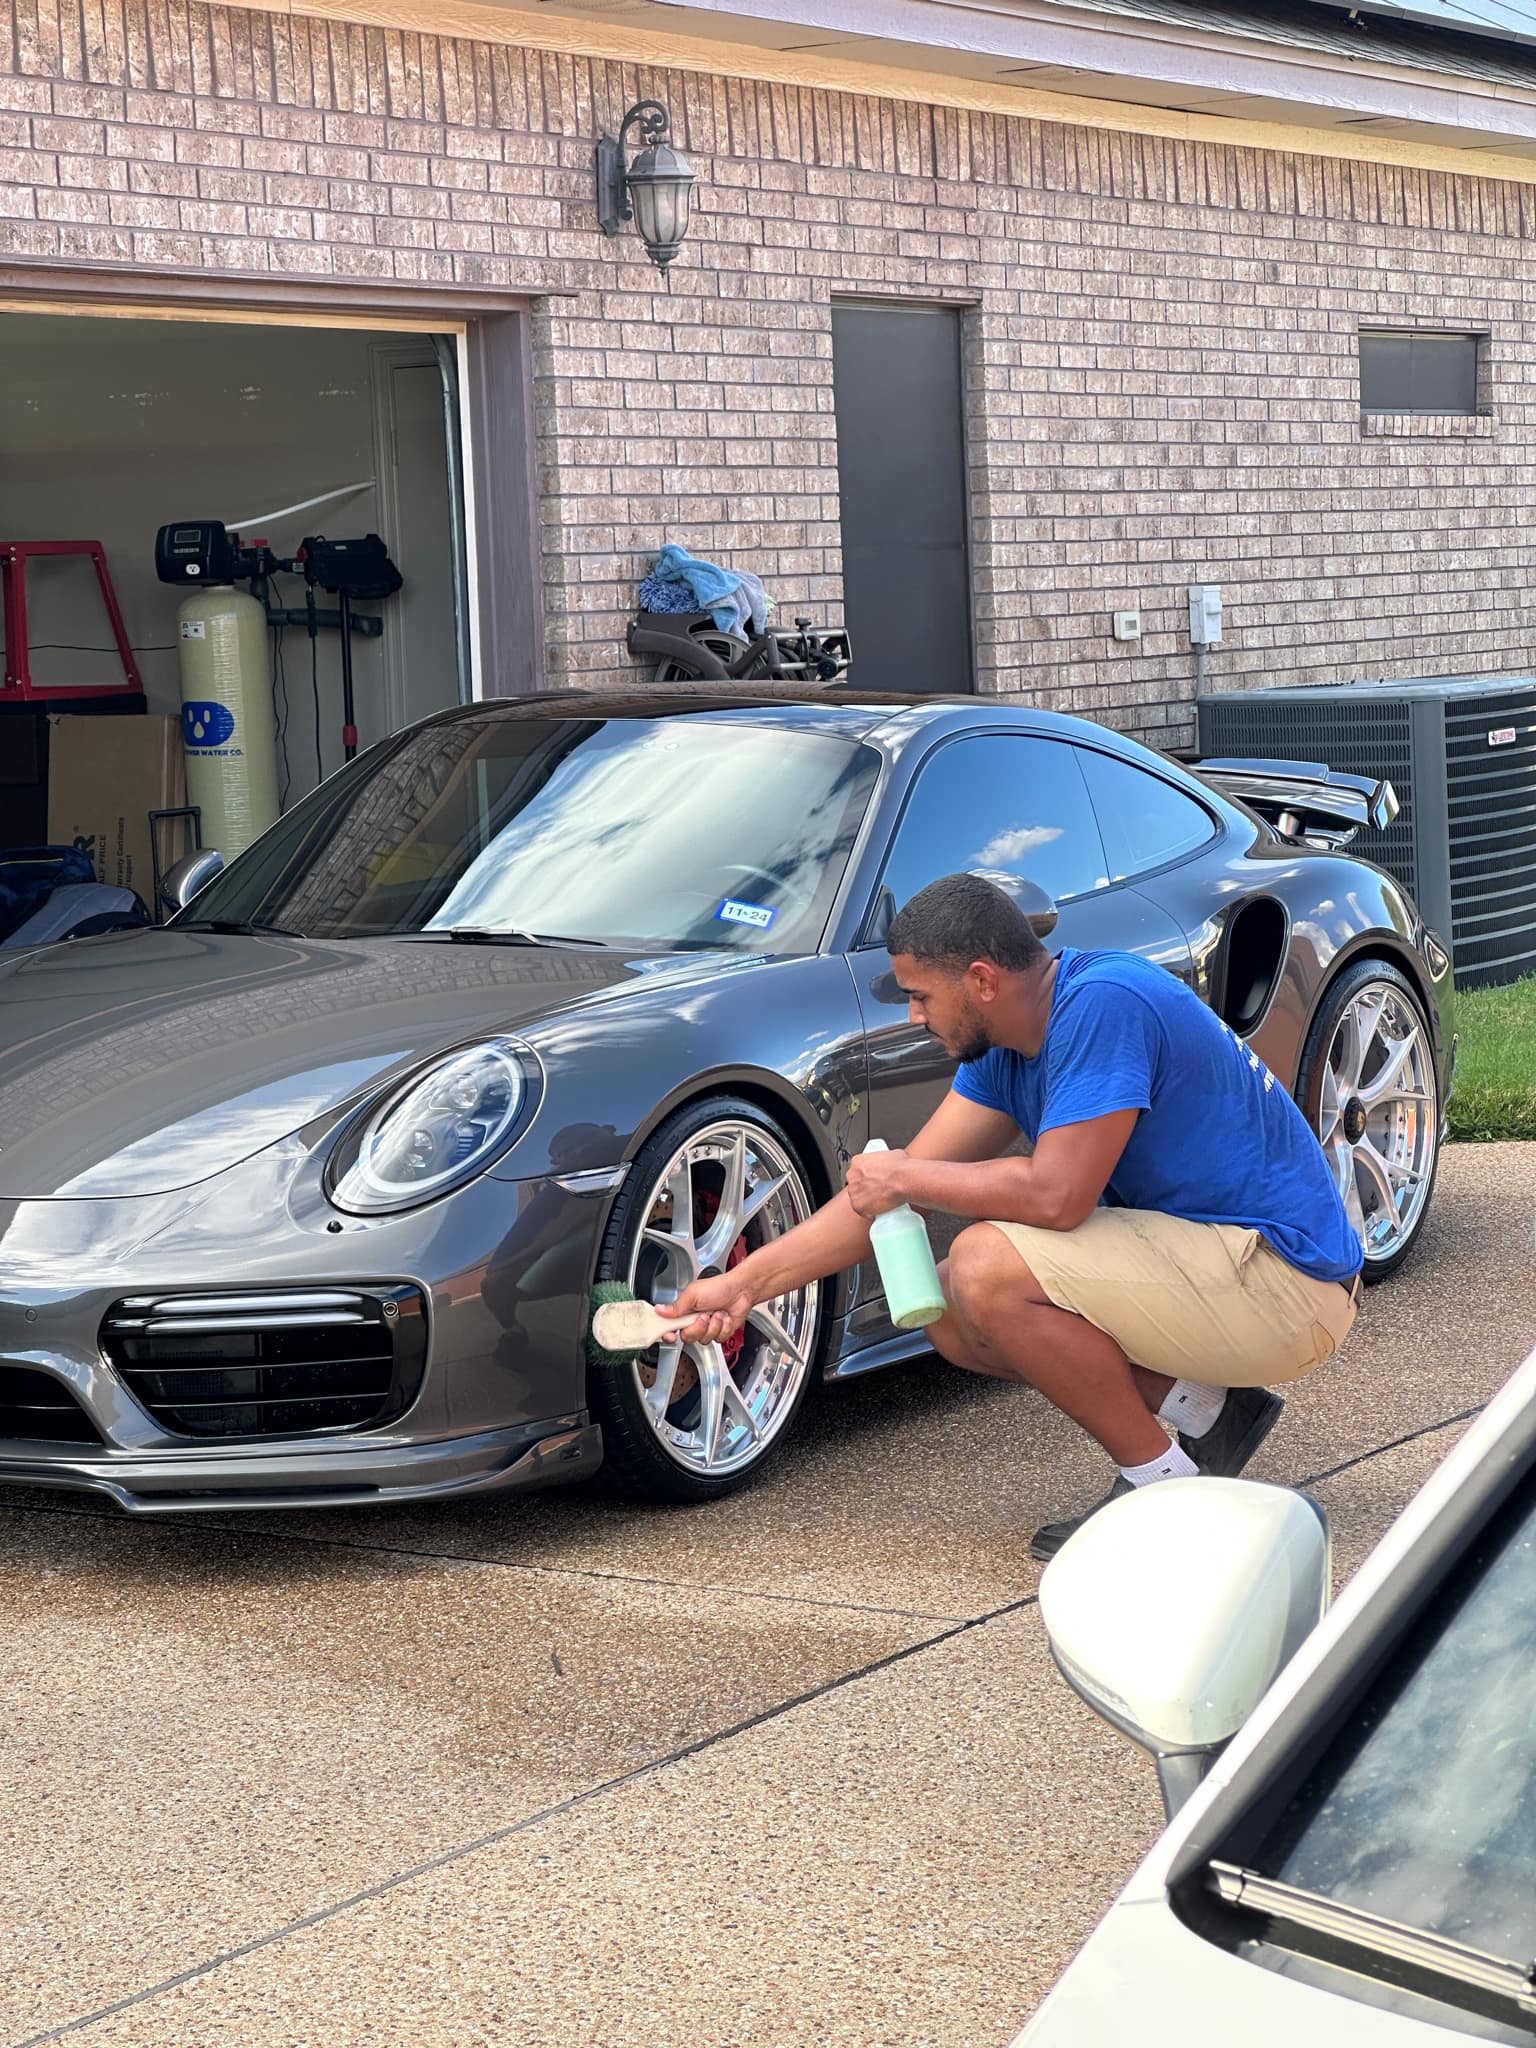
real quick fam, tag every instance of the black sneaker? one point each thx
(1047, 1541)
(1246, 1418)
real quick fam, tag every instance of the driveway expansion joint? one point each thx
(189, 1525)
(529, 1821)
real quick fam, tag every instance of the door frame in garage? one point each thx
(493, 333)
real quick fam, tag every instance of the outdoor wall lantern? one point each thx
(653, 191)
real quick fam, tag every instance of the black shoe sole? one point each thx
(1246, 1444)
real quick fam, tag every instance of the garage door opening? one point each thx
(111, 427)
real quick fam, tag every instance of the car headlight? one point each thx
(442, 1128)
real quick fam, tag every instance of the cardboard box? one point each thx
(105, 775)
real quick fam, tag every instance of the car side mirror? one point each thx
(1173, 1609)
(190, 876)
(1039, 908)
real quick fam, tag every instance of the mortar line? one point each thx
(554, 1811)
(189, 1525)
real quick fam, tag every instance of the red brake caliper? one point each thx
(706, 1208)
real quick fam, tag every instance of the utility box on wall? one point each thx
(1461, 753)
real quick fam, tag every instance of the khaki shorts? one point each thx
(1202, 1301)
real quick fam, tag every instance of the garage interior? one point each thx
(113, 426)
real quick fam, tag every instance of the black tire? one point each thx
(1312, 1079)
(634, 1455)
(724, 646)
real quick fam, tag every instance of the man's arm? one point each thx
(1058, 1187)
(837, 1236)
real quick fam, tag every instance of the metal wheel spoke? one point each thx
(710, 1360)
(1397, 1167)
(680, 1188)
(734, 1398)
(1343, 1163)
(762, 1193)
(1376, 1172)
(658, 1396)
(1380, 1085)
(767, 1323)
(681, 1250)
(1367, 1028)
(1347, 1056)
(714, 1247)
(1330, 1109)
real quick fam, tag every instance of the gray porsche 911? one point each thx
(302, 1195)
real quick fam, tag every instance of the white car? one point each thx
(1351, 1857)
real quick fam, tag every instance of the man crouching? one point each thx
(1173, 1246)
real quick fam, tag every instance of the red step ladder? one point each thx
(18, 687)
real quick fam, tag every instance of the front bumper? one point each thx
(503, 1268)
(338, 1472)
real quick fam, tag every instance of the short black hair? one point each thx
(961, 918)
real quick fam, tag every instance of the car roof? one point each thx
(850, 714)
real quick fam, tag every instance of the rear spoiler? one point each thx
(1302, 799)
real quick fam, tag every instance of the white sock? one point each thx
(1192, 1408)
(1174, 1464)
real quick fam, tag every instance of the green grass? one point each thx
(1495, 1094)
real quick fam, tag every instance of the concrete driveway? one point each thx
(787, 1771)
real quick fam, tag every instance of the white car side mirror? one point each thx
(1174, 1608)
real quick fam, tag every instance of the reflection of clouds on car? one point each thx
(1012, 845)
(637, 835)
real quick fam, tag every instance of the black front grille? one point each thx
(37, 1408)
(280, 1362)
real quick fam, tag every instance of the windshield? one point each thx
(1424, 1809)
(646, 833)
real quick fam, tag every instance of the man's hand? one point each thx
(711, 1309)
(877, 1182)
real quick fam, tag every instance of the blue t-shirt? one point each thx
(1218, 1139)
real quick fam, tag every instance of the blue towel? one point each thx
(666, 594)
(734, 598)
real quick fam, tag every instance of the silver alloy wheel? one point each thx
(1377, 1117)
(715, 1408)
(726, 1190)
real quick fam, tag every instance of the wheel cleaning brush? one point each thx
(622, 1327)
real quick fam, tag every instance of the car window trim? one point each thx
(859, 943)
(1220, 826)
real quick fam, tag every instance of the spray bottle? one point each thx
(905, 1259)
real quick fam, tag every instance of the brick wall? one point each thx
(1160, 341)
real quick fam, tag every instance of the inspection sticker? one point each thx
(757, 914)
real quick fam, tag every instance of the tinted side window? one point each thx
(1145, 821)
(1004, 806)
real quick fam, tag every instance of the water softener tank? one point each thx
(226, 715)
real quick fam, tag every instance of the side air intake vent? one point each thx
(35, 1408)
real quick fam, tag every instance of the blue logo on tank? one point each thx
(206, 725)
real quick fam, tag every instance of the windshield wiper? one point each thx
(240, 927)
(1429, 1963)
(508, 935)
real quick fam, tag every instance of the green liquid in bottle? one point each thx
(905, 1259)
